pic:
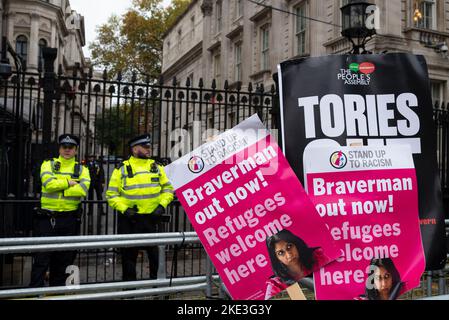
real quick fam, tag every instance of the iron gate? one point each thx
(105, 113)
(35, 108)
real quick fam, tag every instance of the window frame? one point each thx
(424, 22)
(40, 54)
(218, 16)
(439, 85)
(238, 9)
(238, 71)
(23, 44)
(192, 25)
(217, 68)
(303, 31)
(265, 50)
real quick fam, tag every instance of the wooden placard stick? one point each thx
(295, 292)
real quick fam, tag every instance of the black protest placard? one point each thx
(369, 99)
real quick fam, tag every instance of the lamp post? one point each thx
(5, 66)
(354, 24)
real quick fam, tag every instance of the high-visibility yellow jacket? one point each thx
(57, 195)
(147, 188)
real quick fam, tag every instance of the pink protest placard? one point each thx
(369, 199)
(257, 224)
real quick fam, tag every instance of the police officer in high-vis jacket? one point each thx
(140, 191)
(64, 183)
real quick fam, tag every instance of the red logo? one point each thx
(367, 68)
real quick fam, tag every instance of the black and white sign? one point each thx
(367, 100)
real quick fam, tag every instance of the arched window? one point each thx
(22, 47)
(42, 44)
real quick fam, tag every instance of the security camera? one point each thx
(442, 47)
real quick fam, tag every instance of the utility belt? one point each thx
(57, 214)
(54, 215)
(156, 218)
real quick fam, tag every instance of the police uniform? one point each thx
(140, 191)
(59, 212)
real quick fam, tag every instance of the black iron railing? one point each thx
(36, 108)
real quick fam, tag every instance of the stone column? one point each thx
(207, 61)
(33, 55)
(10, 30)
(1, 20)
(52, 43)
(391, 18)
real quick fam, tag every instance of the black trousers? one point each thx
(56, 261)
(139, 224)
(98, 189)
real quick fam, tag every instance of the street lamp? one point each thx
(354, 17)
(5, 66)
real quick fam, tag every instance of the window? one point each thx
(192, 26)
(218, 16)
(436, 89)
(238, 8)
(300, 29)
(427, 9)
(232, 120)
(265, 48)
(22, 47)
(217, 70)
(190, 77)
(179, 40)
(210, 124)
(238, 62)
(42, 44)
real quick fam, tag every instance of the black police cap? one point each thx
(144, 139)
(68, 139)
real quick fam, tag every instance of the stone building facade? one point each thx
(239, 40)
(30, 25)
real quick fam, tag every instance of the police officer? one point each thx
(140, 191)
(64, 183)
(96, 172)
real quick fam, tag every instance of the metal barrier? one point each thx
(95, 288)
(96, 265)
(445, 297)
(98, 244)
(79, 239)
(133, 294)
(141, 288)
(20, 245)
